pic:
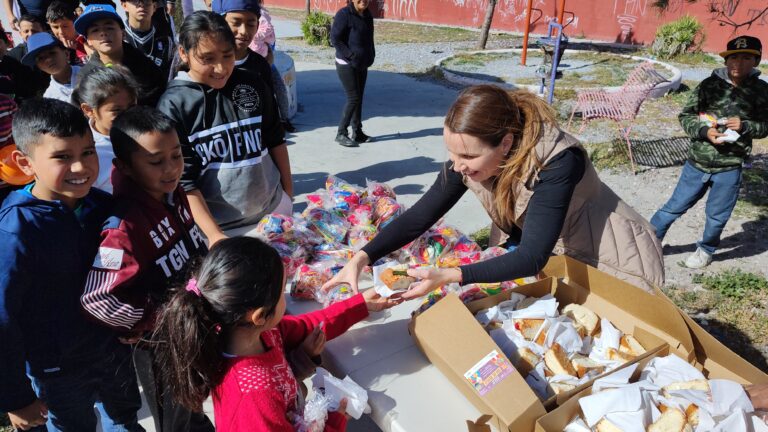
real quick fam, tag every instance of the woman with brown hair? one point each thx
(537, 185)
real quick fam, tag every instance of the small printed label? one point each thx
(488, 372)
(108, 258)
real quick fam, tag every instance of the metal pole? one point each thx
(528, 11)
(561, 12)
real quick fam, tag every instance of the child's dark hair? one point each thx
(44, 116)
(199, 25)
(34, 19)
(101, 83)
(60, 10)
(131, 124)
(237, 276)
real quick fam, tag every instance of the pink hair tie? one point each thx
(192, 287)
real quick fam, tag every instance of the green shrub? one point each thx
(733, 284)
(677, 37)
(316, 28)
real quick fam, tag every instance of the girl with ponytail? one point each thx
(539, 188)
(224, 334)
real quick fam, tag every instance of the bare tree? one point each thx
(486, 24)
(722, 12)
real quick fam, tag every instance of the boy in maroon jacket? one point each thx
(146, 246)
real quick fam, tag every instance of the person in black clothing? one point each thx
(352, 35)
(507, 148)
(15, 78)
(103, 29)
(29, 25)
(155, 40)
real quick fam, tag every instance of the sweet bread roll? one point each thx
(630, 345)
(671, 420)
(560, 387)
(528, 327)
(586, 322)
(557, 361)
(614, 354)
(582, 365)
(525, 361)
(692, 414)
(396, 279)
(701, 384)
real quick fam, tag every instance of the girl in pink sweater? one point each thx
(225, 334)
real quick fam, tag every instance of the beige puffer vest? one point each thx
(600, 229)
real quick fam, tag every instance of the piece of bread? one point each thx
(701, 384)
(524, 303)
(557, 361)
(586, 322)
(614, 354)
(541, 338)
(605, 426)
(525, 361)
(582, 365)
(395, 280)
(692, 415)
(528, 327)
(560, 387)
(671, 420)
(630, 345)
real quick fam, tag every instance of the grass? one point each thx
(608, 155)
(481, 237)
(735, 306)
(401, 32)
(753, 202)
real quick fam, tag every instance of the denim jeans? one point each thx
(109, 382)
(693, 184)
(353, 79)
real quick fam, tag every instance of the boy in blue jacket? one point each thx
(54, 364)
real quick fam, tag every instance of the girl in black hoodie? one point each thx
(236, 167)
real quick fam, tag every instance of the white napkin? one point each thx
(577, 425)
(596, 406)
(730, 136)
(663, 371)
(545, 307)
(562, 331)
(619, 378)
(728, 396)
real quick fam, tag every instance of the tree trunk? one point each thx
(306, 6)
(486, 24)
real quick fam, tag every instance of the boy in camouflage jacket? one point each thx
(733, 98)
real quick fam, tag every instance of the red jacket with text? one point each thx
(146, 245)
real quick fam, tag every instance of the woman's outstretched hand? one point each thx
(430, 280)
(350, 273)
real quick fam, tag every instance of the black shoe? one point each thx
(345, 141)
(288, 127)
(360, 137)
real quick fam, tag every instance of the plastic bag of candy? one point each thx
(375, 190)
(333, 183)
(329, 224)
(292, 255)
(274, 227)
(336, 294)
(360, 235)
(385, 210)
(433, 244)
(492, 252)
(463, 252)
(361, 215)
(318, 199)
(333, 252)
(437, 295)
(309, 278)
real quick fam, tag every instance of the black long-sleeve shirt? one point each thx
(543, 221)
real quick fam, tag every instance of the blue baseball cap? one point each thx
(36, 44)
(222, 7)
(93, 13)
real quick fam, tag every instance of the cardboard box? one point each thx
(457, 344)
(740, 371)
(654, 313)
(568, 294)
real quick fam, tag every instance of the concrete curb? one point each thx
(658, 91)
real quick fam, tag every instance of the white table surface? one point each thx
(406, 392)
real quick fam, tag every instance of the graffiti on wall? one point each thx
(729, 13)
(403, 8)
(627, 13)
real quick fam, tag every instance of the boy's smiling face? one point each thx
(63, 30)
(64, 167)
(156, 165)
(244, 25)
(105, 36)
